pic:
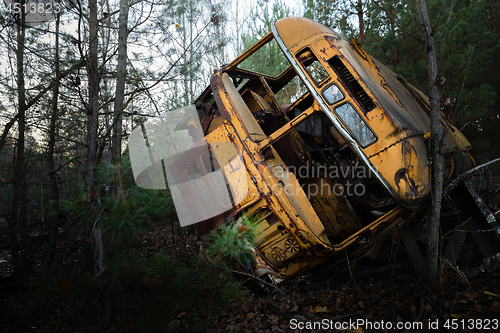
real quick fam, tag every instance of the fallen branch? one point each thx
(452, 185)
(256, 278)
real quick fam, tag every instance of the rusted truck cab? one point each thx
(323, 170)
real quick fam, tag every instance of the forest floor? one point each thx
(398, 297)
(297, 305)
(315, 302)
(340, 307)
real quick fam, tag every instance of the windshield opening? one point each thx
(268, 60)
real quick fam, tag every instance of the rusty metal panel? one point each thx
(227, 149)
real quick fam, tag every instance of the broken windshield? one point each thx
(267, 60)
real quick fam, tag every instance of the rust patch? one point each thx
(400, 174)
(395, 143)
(357, 47)
(331, 41)
(216, 84)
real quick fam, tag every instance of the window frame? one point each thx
(375, 138)
(340, 90)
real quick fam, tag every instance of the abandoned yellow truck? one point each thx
(326, 170)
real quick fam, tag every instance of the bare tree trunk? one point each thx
(20, 199)
(191, 51)
(395, 51)
(121, 74)
(361, 21)
(54, 189)
(433, 235)
(94, 77)
(6, 130)
(186, 66)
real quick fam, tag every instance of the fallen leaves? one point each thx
(317, 309)
(270, 312)
(308, 299)
(489, 293)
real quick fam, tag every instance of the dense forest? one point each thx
(82, 248)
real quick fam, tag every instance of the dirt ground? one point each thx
(389, 300)
(367, 304)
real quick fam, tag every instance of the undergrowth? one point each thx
(138, 289)
(152, 294)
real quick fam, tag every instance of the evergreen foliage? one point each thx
(148, 291)
(125, 215)
(232, 243)
(147, 294)
(268, 60)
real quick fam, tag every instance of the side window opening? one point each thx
(291, 92)
(209, 161)
(222, 188)
(313, 66)
(198, 179)
(192, 171)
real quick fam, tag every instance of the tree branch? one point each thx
(34, 101)
(463, 175)
(397, 23)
